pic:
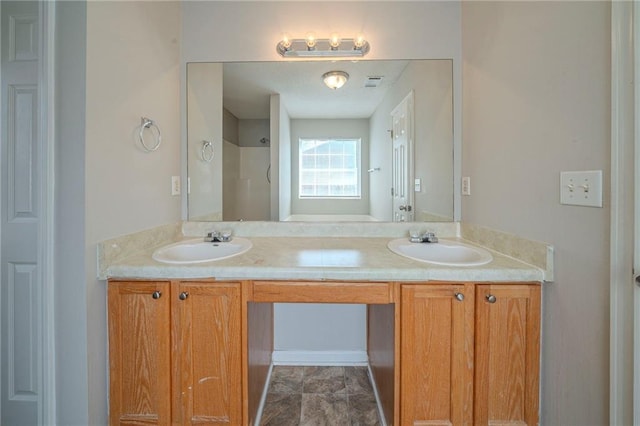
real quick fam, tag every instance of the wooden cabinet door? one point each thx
(139, 353)
(209, 368)
(436, 382)
(507, 360)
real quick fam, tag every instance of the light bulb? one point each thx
(286, 41)
(334, 41)
(311, 41)
(359, 41)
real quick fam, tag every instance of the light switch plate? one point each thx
(582, 188)
(417, 185)
(175, 185)
(466, 185)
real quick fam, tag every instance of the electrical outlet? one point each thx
(581, 188)
(175, 185)
(466, 185)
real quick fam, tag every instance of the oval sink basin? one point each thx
(444, 252)
(198, 251)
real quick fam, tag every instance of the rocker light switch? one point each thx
(581, 188)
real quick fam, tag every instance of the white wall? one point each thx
(132, 69)
(320, 327)
(338, 128)
(536, 102)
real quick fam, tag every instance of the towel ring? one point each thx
(207, 151)
(147, 123)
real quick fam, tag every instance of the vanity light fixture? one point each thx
(333, 47)
(335, 79)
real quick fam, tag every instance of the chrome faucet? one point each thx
(429, 237)
(218, 237)
(426, 237)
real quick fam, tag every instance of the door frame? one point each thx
(635, 317)
(624, 173)
(46, 235)
(46, 103)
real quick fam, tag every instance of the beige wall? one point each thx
(535, 102)
(205, 123)
(132, 70)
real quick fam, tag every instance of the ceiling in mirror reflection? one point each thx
(249, 85)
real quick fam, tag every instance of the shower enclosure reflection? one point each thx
(246, 169)
(255, 114)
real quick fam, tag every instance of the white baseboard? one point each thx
(320, 358)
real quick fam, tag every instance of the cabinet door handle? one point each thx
(459, 296)
(156, 294)
(491, 298)
(184, 295)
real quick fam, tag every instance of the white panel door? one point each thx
(402, 160)
(21, 290)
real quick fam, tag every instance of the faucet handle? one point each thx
(225, 235)
(211, 236)
(415, 235)
(430, 237)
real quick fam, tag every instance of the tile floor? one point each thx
(319, 396)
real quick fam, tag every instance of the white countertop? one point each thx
(318, 258)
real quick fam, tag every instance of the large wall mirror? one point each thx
(271, 141)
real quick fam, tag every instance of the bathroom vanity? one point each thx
(446, 346)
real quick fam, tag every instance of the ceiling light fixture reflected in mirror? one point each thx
(335, 79)
(310, 46)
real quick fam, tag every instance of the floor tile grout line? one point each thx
(346, 392)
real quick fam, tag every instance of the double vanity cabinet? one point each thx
(198, 351)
